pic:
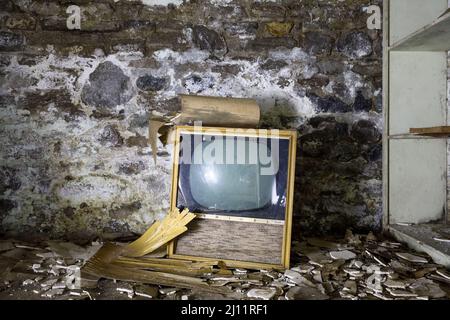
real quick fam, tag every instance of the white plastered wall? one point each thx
(416, 97)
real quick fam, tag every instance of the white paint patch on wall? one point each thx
(179, 2)
(94, 189)
(251, 81)
(162, 2)
(101, 186)
(221, 2)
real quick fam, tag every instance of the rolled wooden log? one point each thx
(219, 112)
(211, 111)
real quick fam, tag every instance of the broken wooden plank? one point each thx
(181, 267)
(111, 271)
(439, 131)
(219, 111)
(160, 233)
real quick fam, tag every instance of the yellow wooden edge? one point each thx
(239, 219)
(292, 136)
(247, 132)
(290, 199)
(233, 263)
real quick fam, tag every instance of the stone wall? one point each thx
(74, 105)
(448, 122)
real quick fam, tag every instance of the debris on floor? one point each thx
(358, 267)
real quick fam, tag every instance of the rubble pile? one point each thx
(357, 267)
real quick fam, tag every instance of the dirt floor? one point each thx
(357, 267)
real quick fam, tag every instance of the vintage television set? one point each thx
(239, 183)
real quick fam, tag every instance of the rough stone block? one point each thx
(365, 131)
(355, 45)
(108, 87)
(20, 22)
(279, 29)
(271, 43)
(317, 43)
(151, 83)
(210, 40)
(10, 41)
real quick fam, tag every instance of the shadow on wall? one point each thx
(338, 173)
(74, 106)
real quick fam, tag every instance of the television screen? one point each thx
(230, 187)
(241, 176)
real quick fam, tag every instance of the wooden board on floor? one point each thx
(439, 131)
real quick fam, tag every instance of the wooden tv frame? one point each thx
(263, 227)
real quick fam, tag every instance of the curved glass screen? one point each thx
(231, 187)
(234, 176)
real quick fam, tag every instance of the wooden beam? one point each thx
(439, 131)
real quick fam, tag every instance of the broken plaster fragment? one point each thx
(350, 286)
(400, 267)
(262, 293)
(400, 293)
(53, 292)
(318, 258)
(59, 285)
(353, 272)
(27, 282)
(439, 278)
(423, 272)
(356, 263)
(305, 293)
(125, 289)
(346, 295)
(273, 274)
(443, 274)
(441, 239)
(278, 284)
(317, 276)
(168, 291)
(150, 292)
(297, 278)
(380, 296)
(240, 271)
(390, 245)
(46, 255)
(395, 284)
(323, 243)
(374, 257)
(303, 268)
(20, 246)
(426, 287)
(411, 257)
(48, 283)
(342, 255)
